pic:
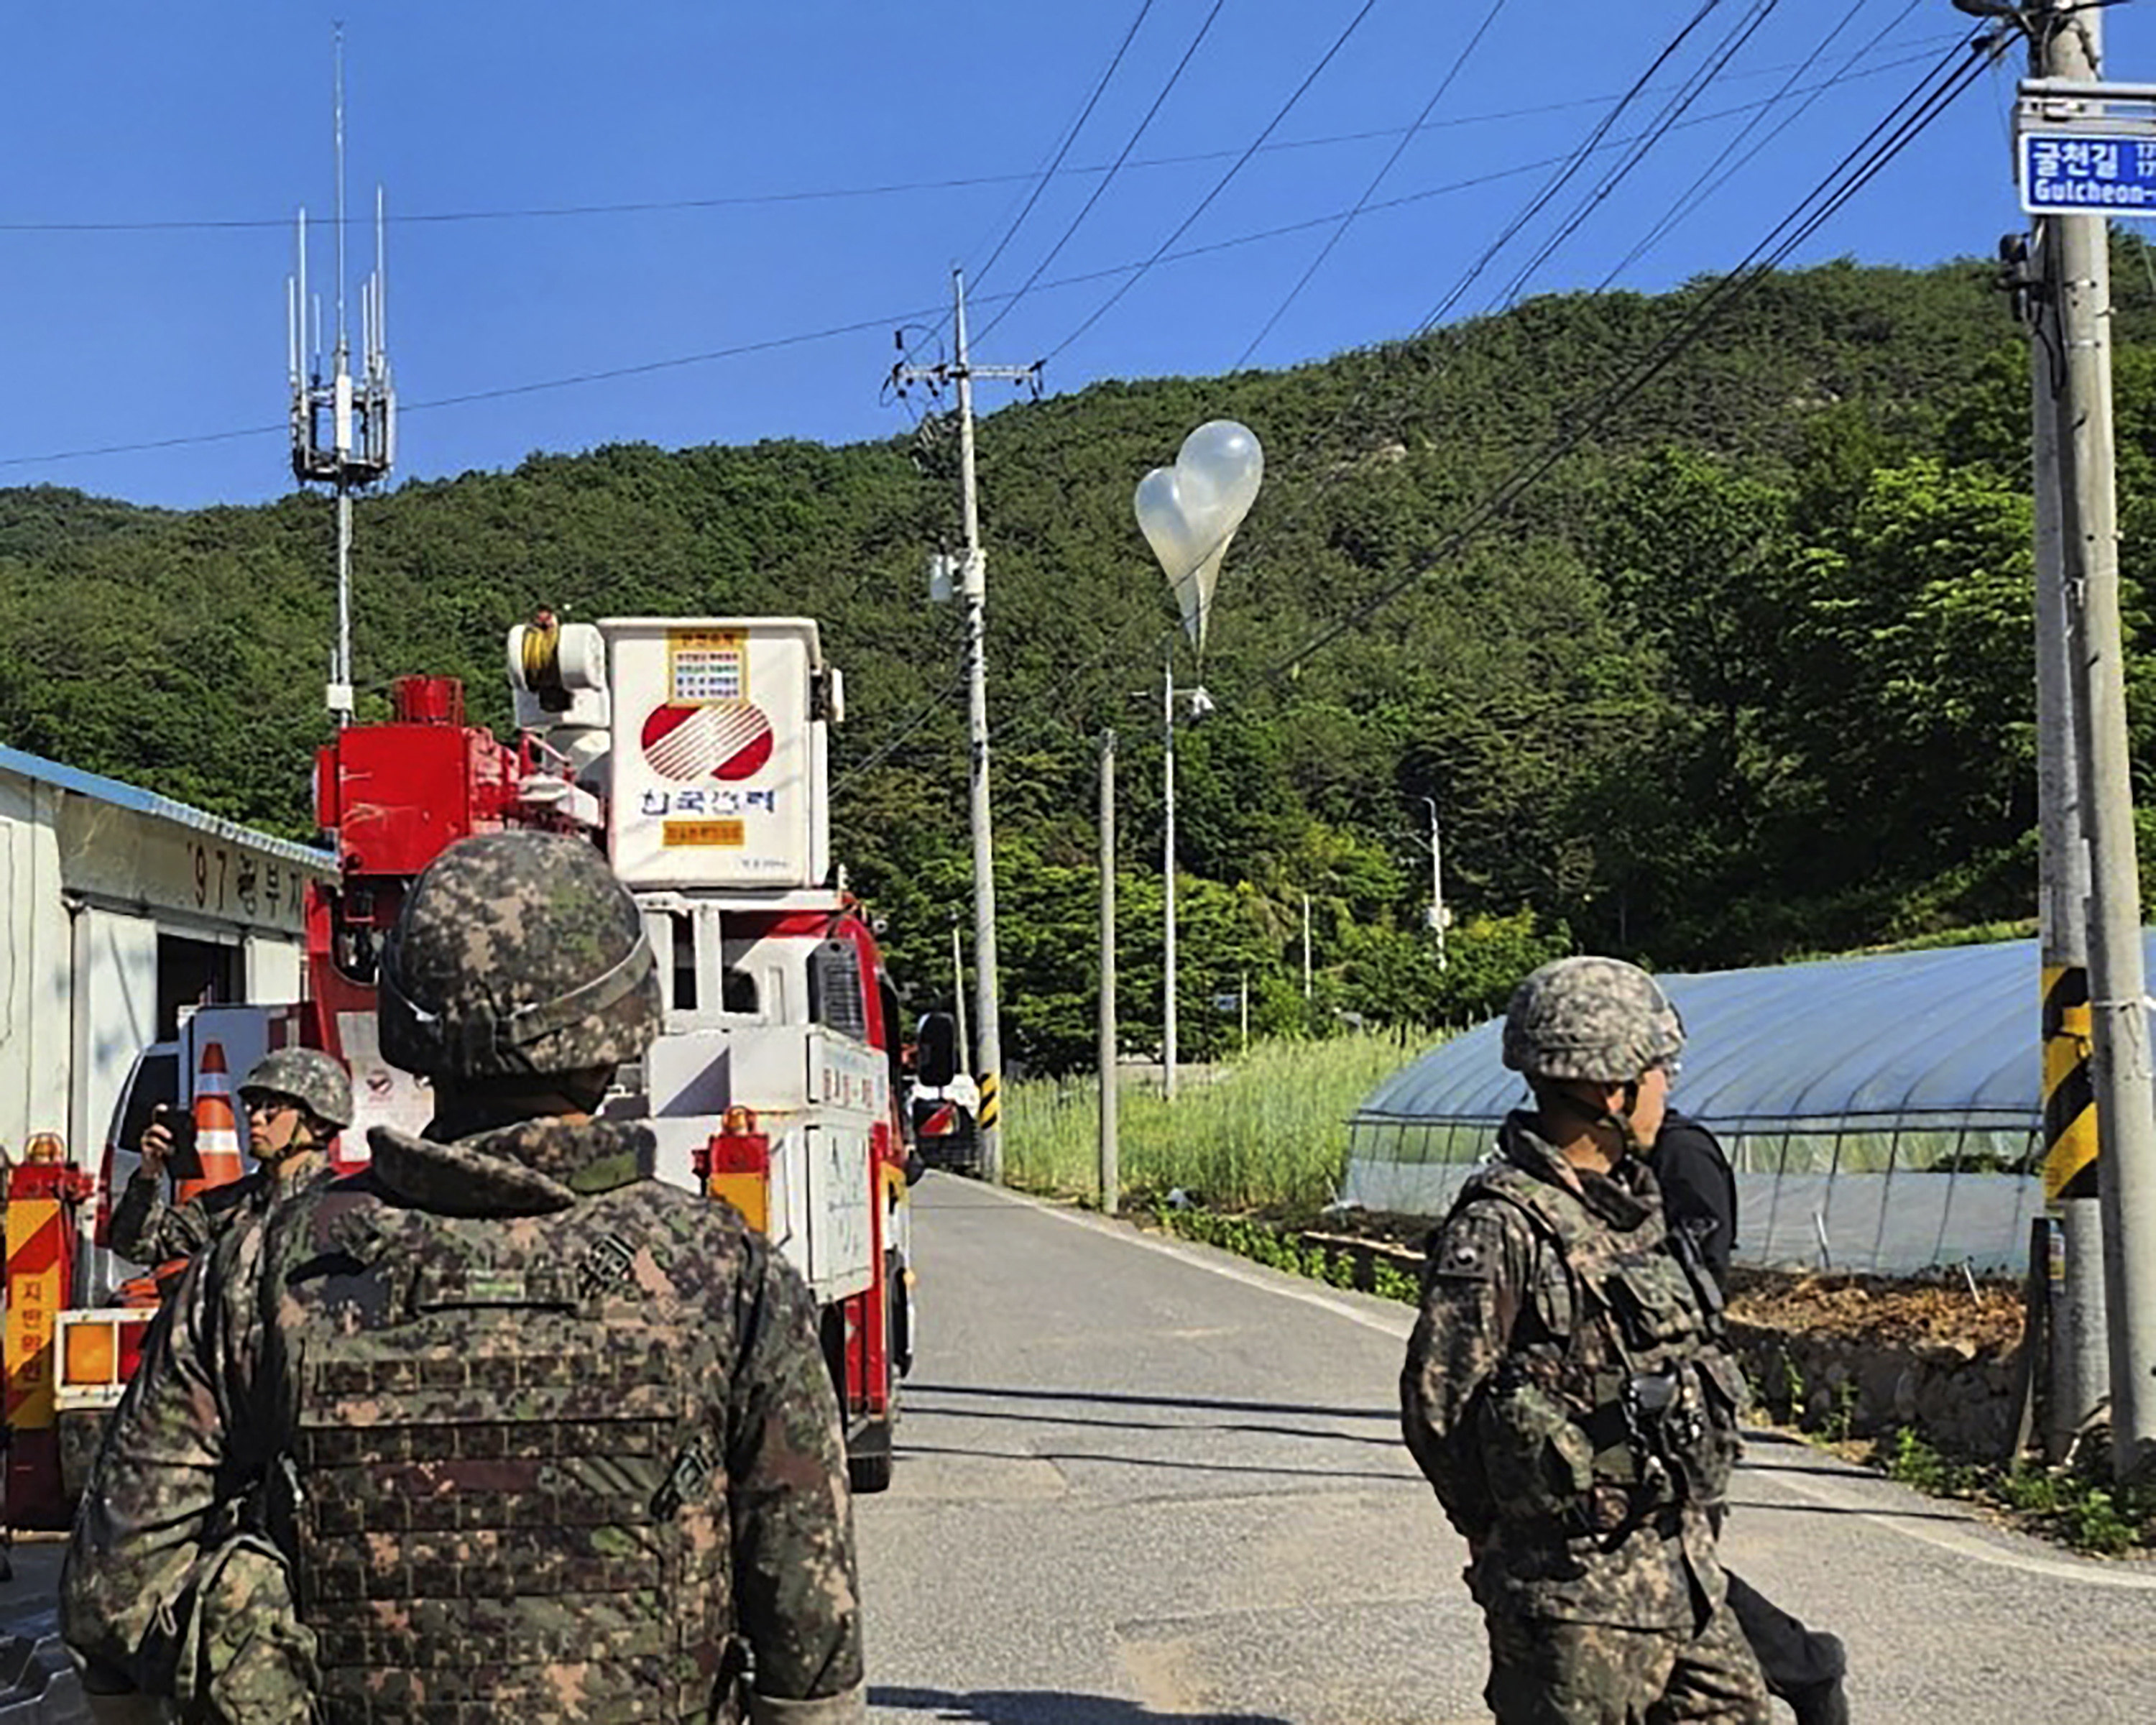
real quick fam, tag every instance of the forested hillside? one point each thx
(1746, 673)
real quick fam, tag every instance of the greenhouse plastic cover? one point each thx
(1944, 1039)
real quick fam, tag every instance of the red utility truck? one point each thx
(696, 753)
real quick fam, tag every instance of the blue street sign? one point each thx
(2088, 173)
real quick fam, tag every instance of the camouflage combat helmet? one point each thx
(1596, 1019)
(316, 1081)
(516, 953)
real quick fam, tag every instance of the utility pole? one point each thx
(1201, 704)
(2078, 1365)
(987, 1018)
(1305, 946)
(343, 429)
(958, 995)
(1436, 880)
(2074, 253)
(1167, 1053)
(1111, 1174)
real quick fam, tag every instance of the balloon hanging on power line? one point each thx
(1189, 512)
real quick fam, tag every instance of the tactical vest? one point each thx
(1616, 1400)
(506, 1494)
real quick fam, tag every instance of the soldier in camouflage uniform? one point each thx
(296, 1100)
(501, 1428)
(1564, 1392)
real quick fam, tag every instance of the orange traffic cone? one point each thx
(217, 1131)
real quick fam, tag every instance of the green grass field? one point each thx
(1267, 1130)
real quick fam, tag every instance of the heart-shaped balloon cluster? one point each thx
(1189, 512)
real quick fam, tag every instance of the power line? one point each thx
(1596, 139)
(1174, 78)
(1908, 118)
(1658, 128)
(892, 319)
(1221, 185)
(1378, 179)
(1579, 158)
(655, 206)
(1692, 197)
(1071, 137)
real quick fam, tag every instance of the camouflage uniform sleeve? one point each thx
(153, 1503)
(1473, 1288)
(148, 1230)
(796, 1589)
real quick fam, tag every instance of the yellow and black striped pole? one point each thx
(2069, 1140)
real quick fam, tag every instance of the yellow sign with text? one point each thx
(704, 832)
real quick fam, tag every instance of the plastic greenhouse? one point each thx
(1883, 1113)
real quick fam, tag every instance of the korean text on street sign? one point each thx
(2064, 172)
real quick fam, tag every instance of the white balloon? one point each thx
(1189, 513)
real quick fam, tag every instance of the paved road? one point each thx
(1142, 1481)
(1139, 1480)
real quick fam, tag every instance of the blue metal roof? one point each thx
(112, 791)
(1943, 1039)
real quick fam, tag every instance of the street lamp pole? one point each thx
(1437, 879)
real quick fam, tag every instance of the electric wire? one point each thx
(1378, 179)
(1909, 118)
(937, 703)
(1069, 138)
(1568, 166)
(830, 194)
(1174, 78)
(1222, 184)
(1915, 110)
(1658, 128)
(1580, 155)
(889, 320)
(1700, 191)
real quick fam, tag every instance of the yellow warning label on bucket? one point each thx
(704, 832)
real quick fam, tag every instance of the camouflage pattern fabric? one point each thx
(149, 1229)
(529, 1432)
(517, 954)
(1596, 1018)
(1547, 1291)
(1585, 1674)
(318, 1082)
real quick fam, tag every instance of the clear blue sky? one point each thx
(120, 113)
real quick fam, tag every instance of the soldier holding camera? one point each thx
(296, 1100)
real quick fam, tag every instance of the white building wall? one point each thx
(35, 968)
(87, 884)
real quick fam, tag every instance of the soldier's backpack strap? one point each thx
(1524, 1194)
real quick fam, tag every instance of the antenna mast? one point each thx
(344, 432)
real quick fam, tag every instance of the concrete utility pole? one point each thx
(2075, 252)
(1111, 1174)
(958, 995)
(987, 1018)
(2079, 1365)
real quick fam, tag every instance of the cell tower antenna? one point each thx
(344, 430)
